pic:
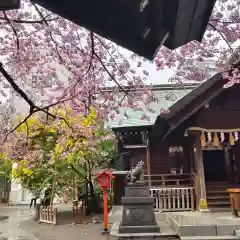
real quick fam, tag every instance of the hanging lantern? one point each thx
(231, 139)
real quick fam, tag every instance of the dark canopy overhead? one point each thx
(9, 4)
(141, 26)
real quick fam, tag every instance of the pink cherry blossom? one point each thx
(38, 45)
(216, 47)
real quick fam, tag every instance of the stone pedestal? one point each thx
(138, 212)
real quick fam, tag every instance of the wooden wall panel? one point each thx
(219, 119)
(162, 161)
(138, 154)
(134, 157)
(227, 100)
(223, 112)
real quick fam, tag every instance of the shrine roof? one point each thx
(167, 95)
(196, 99)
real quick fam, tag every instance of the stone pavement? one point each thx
(16, 224)
(64, 231)
(10, 218)
(192, 225)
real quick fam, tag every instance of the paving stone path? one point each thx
(17, 225)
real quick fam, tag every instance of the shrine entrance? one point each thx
(214, 165)
(218, 165)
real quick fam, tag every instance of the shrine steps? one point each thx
(207, 226)
(166, 233)
(210, 238)
(217, 195)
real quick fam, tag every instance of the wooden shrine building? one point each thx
(192, 153)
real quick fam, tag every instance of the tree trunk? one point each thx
(92, 194)
(53, 187)
(93, 203)
(65, 197)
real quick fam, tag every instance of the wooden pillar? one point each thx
(229, 165)
(236, 160)
(119, 186)
(148, 161)
(202, 198)
(120, 152)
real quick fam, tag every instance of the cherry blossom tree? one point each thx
(49, 151)
(34, 41)
(222, 31)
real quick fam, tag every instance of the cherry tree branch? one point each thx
(24, 121)
(14, 30)
(90, 61)
(51, 36)
(29, 21)
(110, 75)
(227, 22)
(114, 61)
(15, 87)
(18, 125)
(33, 108)
(223, 37)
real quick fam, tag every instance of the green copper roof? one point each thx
(167, 95)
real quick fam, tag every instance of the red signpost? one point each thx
(104, 180)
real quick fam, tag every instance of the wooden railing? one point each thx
(2, 192)
(79, 212)
(173, 199)
(183, 179)
(48, 215)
